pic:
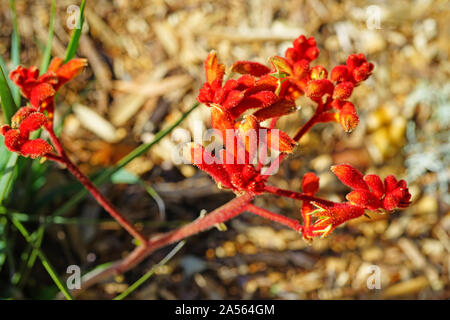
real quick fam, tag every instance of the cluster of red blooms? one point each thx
(40, 91)
(262, 93)
(240, 105)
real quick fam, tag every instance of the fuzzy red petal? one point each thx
(249, 67)
(278, 109)
(21, 115)
(349, 176)
(205, 161)
(70, 70)
(258, 100)
(348, 117)
(31, 123)
(316, 89)
(280, 141)
(41, 93)
(310, 183)
(375, 184)
(340, 74)
(214, 70)
(365, 199)
(35, 148)
(343, 90)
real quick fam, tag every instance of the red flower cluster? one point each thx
(369, 191)
(228, 101)
(293, 77)
(41, 90)
(328, 215)
(17, 137)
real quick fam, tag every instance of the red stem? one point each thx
(304, 129)
(308, 125)
(295, 195)
(224, 213)
(291, 223)
(101, 199)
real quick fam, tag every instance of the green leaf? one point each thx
(3, 241)
(76, 34)
(149, 273)
(7, 177)
(48, 48)
(9, 106)
(47, 265)
(15, 49)
(143, 148)
(124, 176)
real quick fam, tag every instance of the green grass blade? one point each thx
(48, 48)
(102, 178)
(76, 34)
(9, 105)
(7, 177)
(15, 48)
(149, 273)
(47, 265)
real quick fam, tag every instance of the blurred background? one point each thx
(145, 69)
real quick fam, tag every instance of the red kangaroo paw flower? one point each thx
(343, 90)
(206, 94)
(349, 176)
(205, 161)
(301, 69)
(340, 74)
(397, 194)
(303, 49)
(375, 184)
(31, 123)
(359, 67)
(69, 70)
(35, 148)
(278, 109)
(347, 117)
(365, 199)
(316, 89)
(329, 217)
(248, 67)
(21, 115)
(214, 70)
(310, 183)
(284, 144)
(221, 120)
(41, 90)
(13, 139)
(41, 94)
(394, 194)
(258, 100)
(55, 64)
(318, 73)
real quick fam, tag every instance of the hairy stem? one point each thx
(291, 223)
(305, 128)
(222, 214)
(101, 199)
(295, 195)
